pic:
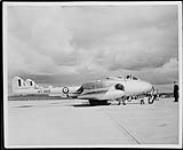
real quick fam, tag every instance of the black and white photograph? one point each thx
(92, 74)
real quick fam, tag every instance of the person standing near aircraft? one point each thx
(176, 91)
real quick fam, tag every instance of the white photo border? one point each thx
(146, 3)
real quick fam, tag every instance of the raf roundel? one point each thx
(65, 90)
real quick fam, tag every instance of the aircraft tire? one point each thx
(123, 102)
(129, 99)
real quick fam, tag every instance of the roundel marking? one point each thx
(65, 90)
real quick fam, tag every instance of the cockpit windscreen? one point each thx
(131, 77)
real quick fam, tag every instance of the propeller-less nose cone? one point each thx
(147, 86)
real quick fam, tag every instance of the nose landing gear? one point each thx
(122, 99)
(151, 99)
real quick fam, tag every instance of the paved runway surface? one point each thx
(75, 122)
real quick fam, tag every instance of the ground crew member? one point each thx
(176, 92)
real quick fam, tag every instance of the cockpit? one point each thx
(131, 77)
(90, 85)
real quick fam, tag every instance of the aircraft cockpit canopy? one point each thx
(90, 85)
(131, 77)
(93, 85)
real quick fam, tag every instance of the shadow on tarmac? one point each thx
(55, 103)
(24, 106)
(89, 105)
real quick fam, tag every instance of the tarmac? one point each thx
(70, 122)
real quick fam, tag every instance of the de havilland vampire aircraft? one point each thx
(114, 88)
(97, 92)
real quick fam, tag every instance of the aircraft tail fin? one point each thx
(18, 84)
(30, 83)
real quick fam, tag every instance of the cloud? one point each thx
(145, 48)
(82, 43)
(165, 74)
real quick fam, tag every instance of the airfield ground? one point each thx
(76, 123)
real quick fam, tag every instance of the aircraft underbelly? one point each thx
(92, 96)
(103, 96)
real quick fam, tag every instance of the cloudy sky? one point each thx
(70, 45)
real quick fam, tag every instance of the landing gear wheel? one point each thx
(142, 101)
(129, 99)
(123, 102)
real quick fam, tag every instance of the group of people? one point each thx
(156, 95)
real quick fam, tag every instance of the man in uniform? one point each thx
(176, 92)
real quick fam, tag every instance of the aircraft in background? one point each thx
(97, 92)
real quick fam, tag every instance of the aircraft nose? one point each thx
(147, 86)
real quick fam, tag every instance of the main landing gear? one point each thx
(149, 100)
(121, 100)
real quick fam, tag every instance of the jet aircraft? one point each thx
(97, 92)
(113, 88)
